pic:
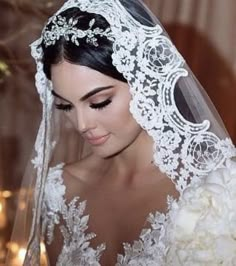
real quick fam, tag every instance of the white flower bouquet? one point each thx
(203, 223)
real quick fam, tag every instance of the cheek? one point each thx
(123, 112)
(118, 116)
(71, 116)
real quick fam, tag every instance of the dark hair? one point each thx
(96, 57)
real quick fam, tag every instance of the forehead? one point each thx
(67, 75)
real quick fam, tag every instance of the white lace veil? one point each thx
(167, 101)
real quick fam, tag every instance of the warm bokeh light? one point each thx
(13, 247)
(21, 255)
(6, 194)
(3, 214)
(4, 68)
(42, 247)
(17, 254)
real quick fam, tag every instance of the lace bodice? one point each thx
(198, 229)
(148, 250)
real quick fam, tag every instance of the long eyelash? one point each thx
(101, 105)
(64, 107)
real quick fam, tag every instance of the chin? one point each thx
(106, 152)
(109, 152)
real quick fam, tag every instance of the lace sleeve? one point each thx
(53, 201)
(64, 225)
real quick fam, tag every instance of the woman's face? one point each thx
(97, 105)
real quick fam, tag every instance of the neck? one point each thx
(134, 159)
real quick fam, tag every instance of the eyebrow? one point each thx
(86, 96)
(95, 91)
(58, 96)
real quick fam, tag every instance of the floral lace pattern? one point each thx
(198, 229)
(150, 249)
(75, 250)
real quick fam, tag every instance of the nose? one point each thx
(85, 121)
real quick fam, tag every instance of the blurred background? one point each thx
(202, 30)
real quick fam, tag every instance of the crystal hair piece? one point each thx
(67, 29)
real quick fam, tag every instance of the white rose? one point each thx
(203, 222)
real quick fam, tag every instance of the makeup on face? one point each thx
(67, 106)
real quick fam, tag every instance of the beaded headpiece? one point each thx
(68, 29)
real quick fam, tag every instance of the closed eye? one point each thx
(64, 107)
(100, 105)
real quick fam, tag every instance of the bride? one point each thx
(133, 166)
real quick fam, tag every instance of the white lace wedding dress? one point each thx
(198, 229)
(149, 249)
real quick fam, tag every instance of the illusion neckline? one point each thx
(151, 220)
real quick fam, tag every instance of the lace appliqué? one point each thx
(76, 250)
(73, 223)
(172, 236)
(53, 201)
(151, 248)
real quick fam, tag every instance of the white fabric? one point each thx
(198, 229)
(187, 149)
(149, 249)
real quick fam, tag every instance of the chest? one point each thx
(119, 216)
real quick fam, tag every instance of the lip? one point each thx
(98, 140)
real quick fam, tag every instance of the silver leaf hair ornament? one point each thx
(68, 29)
(152, 66)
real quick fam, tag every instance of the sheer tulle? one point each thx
(167, 101)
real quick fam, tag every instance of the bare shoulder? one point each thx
(85, 168)
(79, 176)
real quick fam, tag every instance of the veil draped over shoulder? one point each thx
(190, 141)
